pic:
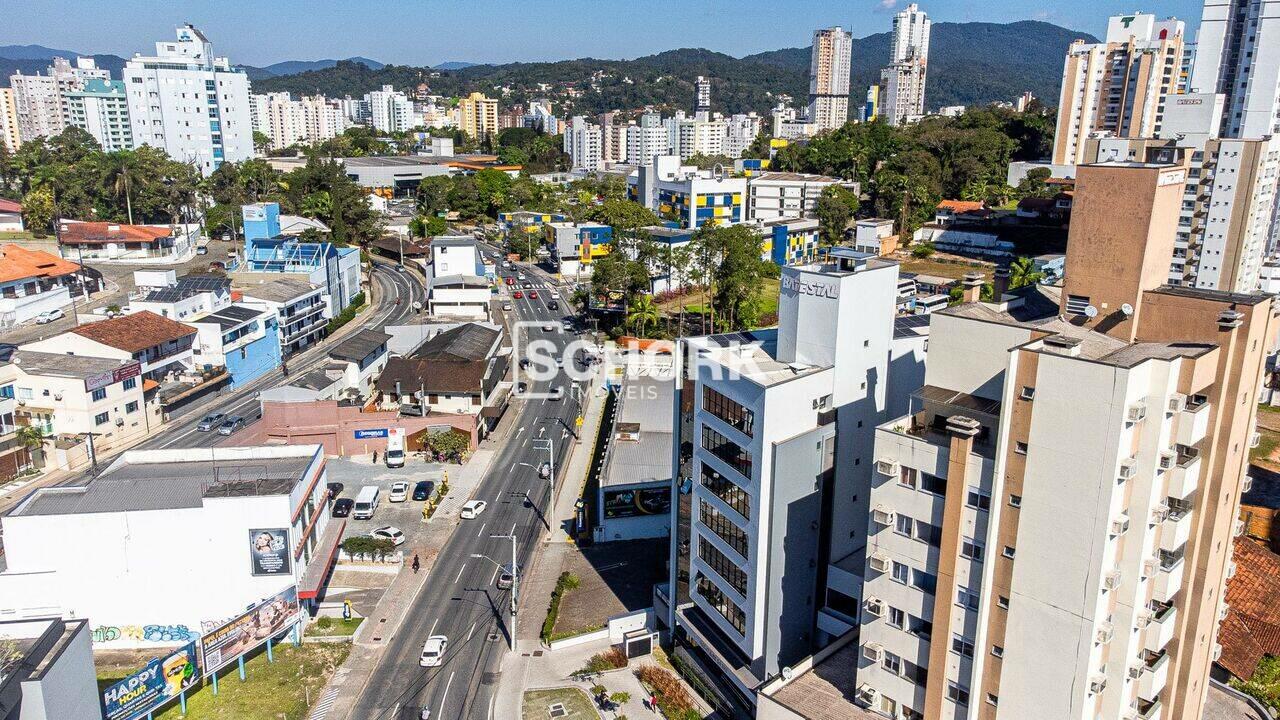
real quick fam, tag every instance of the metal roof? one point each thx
(465, 342)
(188, 286)
(230, 316)
(359, 346)
(62, 365)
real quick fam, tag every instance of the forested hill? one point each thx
(969, 64)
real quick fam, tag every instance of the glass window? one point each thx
(897, 618)
(131, 407)
(919, 627)
(926, 533)
(892, 663)
(967, 599)
(727, 450)
(727, 490)
(933, 484)
(99, 394)
(6, 391)
(979, 499)
(841, 603)
(731, 412)
(957, 693)
(721, 564)
(926, 581)
(100, 419)
(716, 598)
(962, 645)
(723, 527)
(130, 383)
(903, 525)
(907, 476)
(971, 549)
(901, 573)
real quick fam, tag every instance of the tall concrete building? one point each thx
(1228, 197)
(902, 100)
(1119, 86)
(478, 115)
(100, 108)
(390, 110)
(40, 100)
(191, 104)
(1051, 523)
(9, 120)
(647, 140)
(829, 66)
(583, 143)
(1238, 55)
(702, 96)
(613, 138)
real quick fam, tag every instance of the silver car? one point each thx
(211, 422)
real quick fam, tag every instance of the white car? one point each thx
(473, 508)
(555, 295)
(399, 492)
(557, 393)
(549, 327)
(48, 317)
(389, 532)
(433, 651)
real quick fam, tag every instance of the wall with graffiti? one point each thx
(142, 634)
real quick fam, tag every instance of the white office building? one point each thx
(191, 104)
(101, 108)
(740, 131)
(904, 78)
(1238, 55)
(583, 144)
(777, 195)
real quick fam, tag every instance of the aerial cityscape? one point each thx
(927, 371)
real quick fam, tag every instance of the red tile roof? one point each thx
(19, 263)
(135, 332)
(961, 206)
(1252, 626)
(102, 232)
(10, 206)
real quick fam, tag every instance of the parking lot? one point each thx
(407, 515)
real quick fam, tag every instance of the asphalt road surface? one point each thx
(460, 598)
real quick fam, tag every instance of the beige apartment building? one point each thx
(478, 115)
(8, 120)
(1118, 86)
(1051, 525)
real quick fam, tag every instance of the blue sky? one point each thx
(258, 32)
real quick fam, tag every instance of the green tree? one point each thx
(642, 313)
(433, 195)
(739, 276)
(38, 210)
(1022, 272)
(119, 172)
(451, 445)
(1035, 184)
(261, 142)
(835, 208)
(33, 439)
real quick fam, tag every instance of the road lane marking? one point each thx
(472, 631)
(464, 567)
(482, 525)
(445, 697)
(433, 627)
(495, 576)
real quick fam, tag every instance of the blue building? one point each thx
(791, 242)
(337, 269)
(244, 339)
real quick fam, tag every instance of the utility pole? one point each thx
(548, 444)
(515, 586)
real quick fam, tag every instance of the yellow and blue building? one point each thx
(791, 241)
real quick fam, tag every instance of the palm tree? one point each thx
(120, 171)
(643, 313)
(32, 438)
(1022, 272)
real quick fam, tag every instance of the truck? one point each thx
(366, 502)
(395, 448)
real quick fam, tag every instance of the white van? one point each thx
(395, 448)
(366, 503)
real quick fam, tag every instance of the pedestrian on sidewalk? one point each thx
(416, 564)
(653, 702)
(375, 457)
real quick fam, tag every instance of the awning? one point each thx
(322, 560)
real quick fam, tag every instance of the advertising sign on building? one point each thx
(158, 682)
(120, 374)
(633, 503)
(269, 549)
(371, 433)
(250, 629)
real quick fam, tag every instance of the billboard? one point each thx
(158, 682)
(372, 433)
(120, 374)
(249, 630)
(269, 551)
(634, 503)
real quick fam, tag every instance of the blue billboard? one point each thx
(158, 682)
(374, 433)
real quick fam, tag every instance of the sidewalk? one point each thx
(575, 472)
(389, 615)
(555, 669)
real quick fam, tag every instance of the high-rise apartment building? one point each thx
(1238, 55)
(739, 132)
(1051, 523)
(290, 122)
(773, 438)
(1119, 86)
(647, 139)
(191, 104)
(829, 66)
(38, 99)
(8, 120)
(390, 110)
(613, 138)
(100, 108)
(583, 144)
(478, 115)
(902, 100)
(1228, 198)
(702, 96)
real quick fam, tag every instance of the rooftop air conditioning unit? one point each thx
(1177, 402)
(882, 515)
(1136, 413)
(887, 467)
(879, 562)
(873, 651)
(1120, 525)
(1168, 459)
(1128, 468)
(1097, 684)
(1111, 580)
(874, 606)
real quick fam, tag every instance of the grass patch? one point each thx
(1268, 441)
(942, 268)
(334, 627)
(576, 703)
(270, 691)
(567, 581)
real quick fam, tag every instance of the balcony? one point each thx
(1168, 579)
(1155, 675)
(1160, 629)
(1184, 477)
(1175, 530)
(1193, 421)
(1149, 710)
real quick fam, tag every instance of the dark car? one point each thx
(335, 489)
(553, 305)
(424, 489)
(342, 507)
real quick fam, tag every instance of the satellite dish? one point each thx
(1091, 312)
(788, 673)
(1127, 309)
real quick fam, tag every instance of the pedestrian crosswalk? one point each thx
(324, 704)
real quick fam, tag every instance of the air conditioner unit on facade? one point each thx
(1247, 485)
(1177, 402)
(879, 562)
(873, 651)
(1168, 459)
(1135, 672)
(1149, 567)
(882, 515)
(1120, 525)
(1128, 468)
(887, 467)
(868, 695)
(1097, 684)
(1159, 514)
(874, 606)
(1136, 413)
(1104, 634)
(1111, 580)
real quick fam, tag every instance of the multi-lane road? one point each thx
(459, 598)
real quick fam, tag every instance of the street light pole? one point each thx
(515, 586)
(548, 444)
